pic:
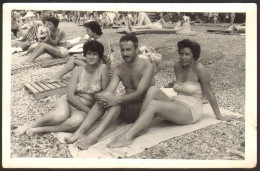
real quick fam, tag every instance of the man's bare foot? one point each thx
(74, 137)
(86, 142)
(21, 130)
(119, 142)
(34, 131)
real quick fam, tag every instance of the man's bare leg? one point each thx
(111, 116)
(173, 112)
(94, 114)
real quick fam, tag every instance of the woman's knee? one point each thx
(58, 119)
(74, 122)
(152, 106)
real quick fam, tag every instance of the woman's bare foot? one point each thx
(21, 130)
(26, 62)
(119, 142)
(53, 80)
(34, 131)
(24, 53)
(86, 142)
(74, 137)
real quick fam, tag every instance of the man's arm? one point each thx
(145, 82)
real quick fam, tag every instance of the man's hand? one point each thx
(107, 99)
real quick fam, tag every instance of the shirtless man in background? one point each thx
(137, 75)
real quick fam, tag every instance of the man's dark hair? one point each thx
(194, 46)
(130, 37)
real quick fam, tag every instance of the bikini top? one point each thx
(193, 89)
(89, 87)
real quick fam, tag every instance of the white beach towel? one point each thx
(159, 131)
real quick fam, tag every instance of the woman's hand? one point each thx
(227, 117)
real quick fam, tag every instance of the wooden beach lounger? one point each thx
(152, 31)
(18, 67)
(41, 89)
(221, 31)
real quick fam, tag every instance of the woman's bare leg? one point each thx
(57, 116)
(174, 112)
(70, 124)
(94, 114)
(69, 66)
(43, 48)
(143, 19)
(154, 93)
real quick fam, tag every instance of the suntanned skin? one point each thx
(137, 76)
(53, 38)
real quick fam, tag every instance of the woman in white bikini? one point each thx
(192, 82)
(72, 108)
(94, 31)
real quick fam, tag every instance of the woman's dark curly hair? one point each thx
(194, 46)
(54, 20)
(94, 46)
(94, 27)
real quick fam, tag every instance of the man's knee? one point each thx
(114, 109)
(153, 90)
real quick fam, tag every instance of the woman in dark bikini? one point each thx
(72, 108)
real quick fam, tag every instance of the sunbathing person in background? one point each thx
(144, 22)
(137, 76)
(94, 31)
(192, 82)
(73, 107)
(53, 44)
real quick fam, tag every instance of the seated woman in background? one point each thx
(72, 108)
(192, 82)
(41, 35)
(53, 44)
(94, 31)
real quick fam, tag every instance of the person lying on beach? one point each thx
(144, 22)
(137, 76)
(53, 44)
(71, 108)
(192, 82)
(94, 31)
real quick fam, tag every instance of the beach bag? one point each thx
(149, 53)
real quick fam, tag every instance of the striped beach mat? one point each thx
(18, 67)
(42, 89)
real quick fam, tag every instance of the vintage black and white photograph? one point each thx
(129, 85)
